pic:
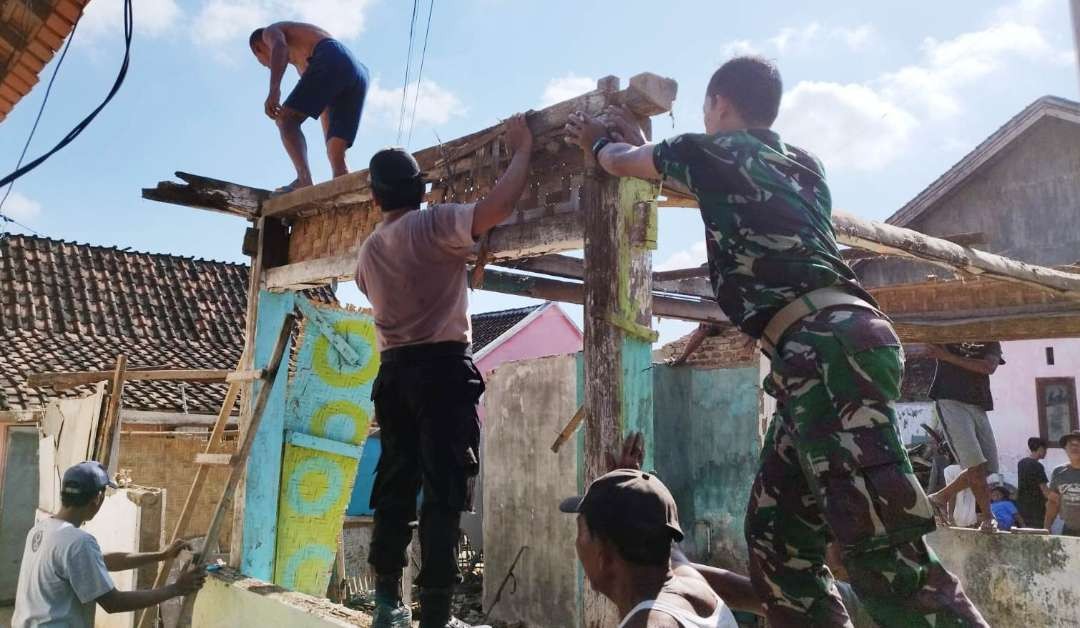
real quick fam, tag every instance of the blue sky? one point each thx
(888, 97)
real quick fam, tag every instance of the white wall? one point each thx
(1015, 417)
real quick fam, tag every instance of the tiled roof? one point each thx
(30, 33)
(488, 326)
(72, 307)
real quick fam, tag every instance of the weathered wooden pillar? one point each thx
(620, 220)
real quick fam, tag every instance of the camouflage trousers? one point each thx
(833, 467)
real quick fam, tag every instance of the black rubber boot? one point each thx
(435, 610)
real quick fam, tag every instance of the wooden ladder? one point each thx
(236, 462)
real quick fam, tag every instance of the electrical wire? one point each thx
(408, 66)
(33, 129)
(420, 74)
(81, 126)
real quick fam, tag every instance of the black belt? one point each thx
(420, 353)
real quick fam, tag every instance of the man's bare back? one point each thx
(301, 39)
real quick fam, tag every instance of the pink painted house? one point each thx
(508, 335)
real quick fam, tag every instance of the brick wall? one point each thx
(168, 461)
(728, 350)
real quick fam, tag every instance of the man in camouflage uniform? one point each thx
(832, 465)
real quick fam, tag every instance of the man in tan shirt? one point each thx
(412, 269)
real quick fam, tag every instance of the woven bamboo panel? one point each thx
(967, 295)
(556, 177)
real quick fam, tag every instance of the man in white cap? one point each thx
(64, 573)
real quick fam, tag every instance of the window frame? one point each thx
(1041, 384)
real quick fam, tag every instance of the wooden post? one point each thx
(619, 219)
(247, 360)
(110, 427)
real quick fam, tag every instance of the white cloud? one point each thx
(21, 208)
(812, 35)
(739, 47)
(436, 104)
(961, 62)
(849, 126)
(565, 88)
(152, 17)
(687, 258)
(229, 22)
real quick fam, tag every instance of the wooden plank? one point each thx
(246, 376)
(688, 309)
(336, 447)
(547, 235)
(68, 379)
(215, 441)
(111, 424)
(214, 460)
(206, 193)
(210, 545)
(319, 322)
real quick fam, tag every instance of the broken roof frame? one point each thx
(315, 231)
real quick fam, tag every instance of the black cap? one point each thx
(390, 167)
(86, 478)
(627, 501)
(1068, 437)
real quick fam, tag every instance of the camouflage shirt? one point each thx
(768, 220)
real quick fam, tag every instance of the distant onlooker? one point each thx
(962, 390)
(1064, 497)
(1032, 489)
(1005, 512)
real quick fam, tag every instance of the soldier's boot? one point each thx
(435, 610)
(390, 612)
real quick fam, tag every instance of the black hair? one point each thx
(75, 500)
(407, 194)
(1001, 489)
(1035, 443)
(752, 85)
(256, 37)
(653, 550)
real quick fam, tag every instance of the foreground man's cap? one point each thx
(1068, 437)
(86, 478)
(392, 166)
(627, 500)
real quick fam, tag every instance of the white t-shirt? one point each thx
(964, 503)
(63, 573)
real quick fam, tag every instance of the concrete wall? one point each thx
(230, 599)
(1015, 580)
(1027, 202)
(167, 461)
(707, 443)
(550, 333)
(18, 500)
(527, 404)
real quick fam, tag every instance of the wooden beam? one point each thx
(547, 235)
(111, 424)
(206, 193)
(171, 419)
(687, 309)
(65, 380)
(892, 240)
(214, 459)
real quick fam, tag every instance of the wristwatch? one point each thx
(598, 146)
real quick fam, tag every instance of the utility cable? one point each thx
(33, 129)
(81, 126)
(420, 74)
(408, 66)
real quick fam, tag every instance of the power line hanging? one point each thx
(408, 66)
(420, 74)
(37, 119)
(129, 30)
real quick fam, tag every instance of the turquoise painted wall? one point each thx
(706, 445)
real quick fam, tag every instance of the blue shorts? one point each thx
(333, 82)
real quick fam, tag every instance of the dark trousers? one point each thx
(425, 403)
